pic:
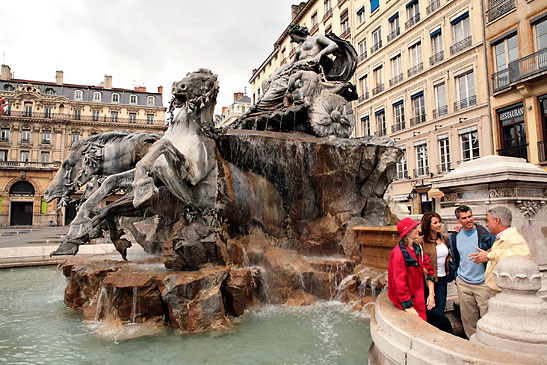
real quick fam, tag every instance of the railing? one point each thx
(420, 118)
(314, 28)
(465, 103)
(346, 33)
(542, 151)
(421, 171)
(415, 69)
(376, 46)
(402, 174)
(363, 97)
(437, 57)
(46, 141)
(85, 118)
(380, 133)
(25, 140)
(327, 14)
(4, 139)
(434, 5)
(440, 111)
(528, 66)
(393, 34)
(410, 22)
(461, 45)
(340, 2)
(31, 165)
(517, 151)
(398, 126)
(497, 9)
(444, 167)
(378, 89)
(397, 79)
(362, 56)
(500, 80)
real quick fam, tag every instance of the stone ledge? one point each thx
(402, 338)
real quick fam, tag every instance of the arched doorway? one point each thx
(21, 202)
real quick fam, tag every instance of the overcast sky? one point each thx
(148, 43)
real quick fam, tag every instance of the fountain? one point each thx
(260, 213)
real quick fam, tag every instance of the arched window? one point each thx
(133, 99)
(97, 96)
(8, 87)
(78, 94)
(50, 91)
(22, 187)
(151, 101)
(115, 98)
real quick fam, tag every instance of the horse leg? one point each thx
(121, 244)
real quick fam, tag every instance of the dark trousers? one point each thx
(435, 316)
(440, 293)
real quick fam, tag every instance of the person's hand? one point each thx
(411, 310)
(479, 257)
(3, 104)
(458, 228)
(430, 301)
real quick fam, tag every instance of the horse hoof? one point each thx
(144, 190)
(65, 248)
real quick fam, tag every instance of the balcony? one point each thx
(461, 45)
(402, 175)
(345, 34)
(398, 126)
(410, 22)
(415, 69)
(497, 9)
(465, 103)
(376, 46)
(314, 29)
(363, 97)
(436, 58)
(393, 34)
(524, 68)
(397, 79)
(421, 171)
(46, 141)
(24, 165)
(420, 118)
(327, 15)
(362, 56)
(64, 116)
(517, 151)
(380, 133)
(440, 111)
(444, 168)
(542, 151)
(434, 5)
(378, 89)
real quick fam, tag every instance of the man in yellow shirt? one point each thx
(508, 243)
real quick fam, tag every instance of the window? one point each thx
(4, 134)
(470, 145)
(149, 118)
(412, 13)
(418, 108)
(460, 27)
(77, 114)
(116, 98)
(440, 100)
(378, 79)
(398, 116)
(329, 29)
(380, 123)
(75, 136)
(314, 20)
(132, 99)
(415, 55)
(444, 154)
(96, 115)
(46, 136)
(506, 51)
(25, 135)
(363, 87)
(48, 111)
(376, 40)
(361, 15)
(394, 29)
(25, 156)
(344, 23)
(132, 117)
(365, 124)
(541, 35)
(78, 94)
(374, 4)
(28, 109)
(97, 96)
(151, 100)
(362, 49)
(466, 89)
(50, 91)
(422, 164)
(3, 155)
(113, 116)
(513, 131)
(396, 70)
(402, 166)
(44, 156)
(328, 6)
(436, 46)
(8, 87)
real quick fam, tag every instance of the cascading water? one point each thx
(102, 301)
(134, 305)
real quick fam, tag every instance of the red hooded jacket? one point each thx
(406, 277)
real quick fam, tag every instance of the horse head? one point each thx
(195, 91)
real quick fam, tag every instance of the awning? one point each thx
(400, 198)
(435, 193)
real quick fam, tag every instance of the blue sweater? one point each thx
(466, 244)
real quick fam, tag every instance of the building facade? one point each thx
(38, 128)
(516, 39)
(240, 106)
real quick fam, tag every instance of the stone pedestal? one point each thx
(497, 180)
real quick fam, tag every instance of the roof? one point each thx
(76, 86)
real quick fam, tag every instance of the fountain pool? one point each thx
(36, 327)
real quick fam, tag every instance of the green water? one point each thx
(37, 328)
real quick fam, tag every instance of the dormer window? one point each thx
(8, 87)
(97, 96)
(50, 91)
(78, 94)
(116, 98)
(151, 100)
(132, 99)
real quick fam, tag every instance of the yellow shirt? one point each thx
(510, 243)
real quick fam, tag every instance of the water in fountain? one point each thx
(103, 303)
(134, 305)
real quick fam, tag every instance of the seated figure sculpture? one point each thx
(310, 93)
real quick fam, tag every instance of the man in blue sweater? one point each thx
(473, 294)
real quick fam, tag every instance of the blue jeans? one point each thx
(440, 293)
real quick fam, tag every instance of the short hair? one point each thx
(299, 30)
(503, 214)
(462, 209)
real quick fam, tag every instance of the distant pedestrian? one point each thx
(406, 272)
(508, 243)
(473, 294)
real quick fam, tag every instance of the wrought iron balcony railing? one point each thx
(378, 89)
(421, 171)
(17, 165)
(420, 118)
(85, 118)
(393, 34)
(402, 174)
(398, 126)
(314, 28)
(500, 80)
(433, 5)
(410, 22)
(461, 45)
(327, 14)
(440, 111)
(437, 57)
(346, 33)
(497, 9)
(517, 151)
(376, 46)
(363, 97)
(465, 103)
(380, 133)
(397, 79)
(362, 56)
(415, 69)
(542, 151)
(523, 68)
(444, 167)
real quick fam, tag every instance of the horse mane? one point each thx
(101, 139)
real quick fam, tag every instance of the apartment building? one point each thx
(38, 128)
(240, 106)
(516, 42)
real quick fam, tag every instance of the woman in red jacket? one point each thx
(406, 272)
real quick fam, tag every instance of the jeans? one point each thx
(436, 316)
(440, 293)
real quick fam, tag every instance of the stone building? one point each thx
(516, 40)
(240, 106)
(42, 121)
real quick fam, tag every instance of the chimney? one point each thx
(237, 96)
(224, 109)
(59, 77)
(160, 89)
(6, 73)
(107, 82)
(140, 88)
(296, 9)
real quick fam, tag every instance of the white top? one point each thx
(442, 254)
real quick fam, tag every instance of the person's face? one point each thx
(466, 220)
(435, 226)
(413, 235)
(493, 224)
